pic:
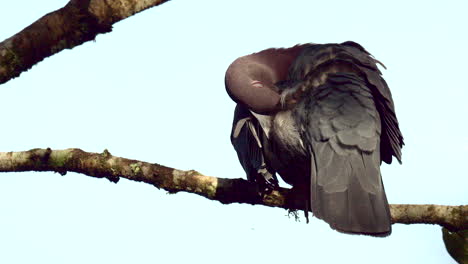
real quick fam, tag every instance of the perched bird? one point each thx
(323, 118)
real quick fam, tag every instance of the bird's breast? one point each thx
(285, 131)
(287, 153)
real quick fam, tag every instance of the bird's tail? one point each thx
(348, 193)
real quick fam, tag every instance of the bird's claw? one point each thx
(266, 183)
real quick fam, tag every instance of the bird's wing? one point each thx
(342, 128)
(248, 139)
(314, 64)
(347, 119)
(392, 138)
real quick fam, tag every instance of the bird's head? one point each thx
(250, 80)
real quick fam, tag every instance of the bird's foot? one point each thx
(266, 182)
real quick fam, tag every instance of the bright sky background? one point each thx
(153, 90)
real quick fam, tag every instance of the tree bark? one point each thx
(76, 23)
(104, 165)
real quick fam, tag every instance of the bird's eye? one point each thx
(257, 84)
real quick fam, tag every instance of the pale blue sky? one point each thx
(153, 90)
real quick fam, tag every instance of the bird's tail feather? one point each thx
(356, 202)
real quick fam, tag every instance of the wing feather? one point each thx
(316, 62)
(343, 131)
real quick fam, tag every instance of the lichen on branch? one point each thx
(105, 165)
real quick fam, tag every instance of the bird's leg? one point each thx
(298, 199)
(266, 181)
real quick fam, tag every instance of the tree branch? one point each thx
(104, 165)
(76, 23)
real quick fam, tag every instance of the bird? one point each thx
(321, 117)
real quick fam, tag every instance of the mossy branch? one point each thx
(76, 23)
(104, 165)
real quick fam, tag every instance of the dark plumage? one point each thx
(322, 117)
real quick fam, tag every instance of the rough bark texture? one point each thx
(79, 21)
(104, 165)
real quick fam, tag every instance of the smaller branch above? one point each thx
(104, 165)
(76, 23)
